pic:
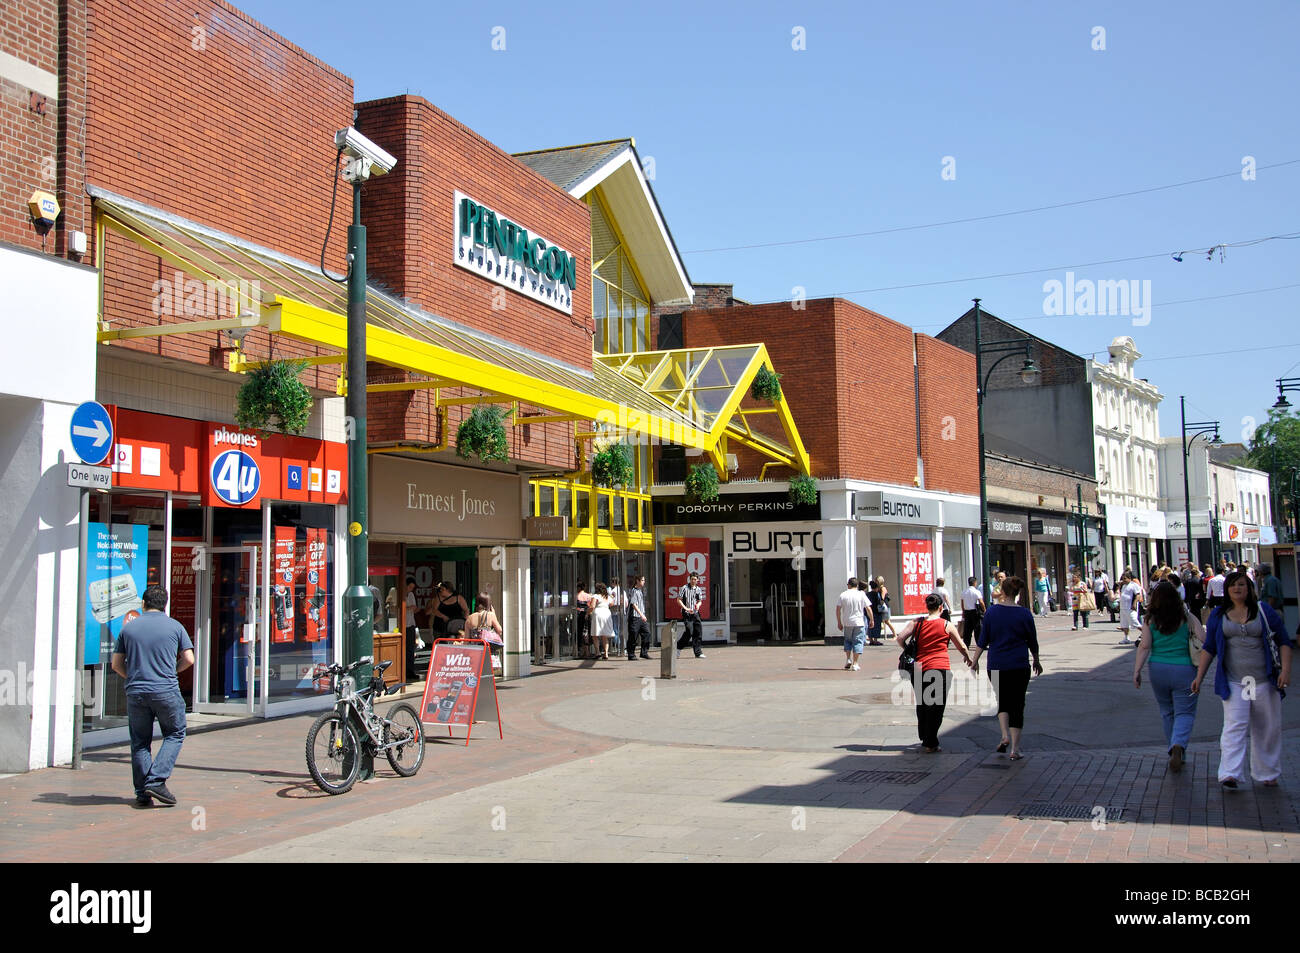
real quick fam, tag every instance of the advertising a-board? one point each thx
(452, 685)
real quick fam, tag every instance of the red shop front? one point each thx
(244, 529)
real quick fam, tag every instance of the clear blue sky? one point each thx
(755, 142)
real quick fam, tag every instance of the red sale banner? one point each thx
(683, 556)
(315, 600)
(918, 574)
(282, 584)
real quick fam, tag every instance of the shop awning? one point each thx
(675, 399)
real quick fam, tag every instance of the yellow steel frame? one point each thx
(635, 534)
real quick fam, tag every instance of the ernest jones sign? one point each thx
(411, 499)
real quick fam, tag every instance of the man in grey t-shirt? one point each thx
(148, 653)
(638, 623)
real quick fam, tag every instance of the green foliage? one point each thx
(766, 385)
(702, 483)
(612, 466)
(1275, 449)
(483, 434)
(803, 490)
(274, 390)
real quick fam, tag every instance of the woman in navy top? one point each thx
(1009, 636)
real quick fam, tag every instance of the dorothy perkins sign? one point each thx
(498, 249)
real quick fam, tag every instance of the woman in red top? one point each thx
(932, 674)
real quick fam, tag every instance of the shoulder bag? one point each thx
(1194, 645)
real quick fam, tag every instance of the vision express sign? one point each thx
(735, 508)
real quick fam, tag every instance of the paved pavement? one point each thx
(755, 753)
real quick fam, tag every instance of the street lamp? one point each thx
(1285, 384)
(364, 160)
(1028, 374)
(1203, 428)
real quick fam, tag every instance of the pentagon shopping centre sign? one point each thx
(493, 247)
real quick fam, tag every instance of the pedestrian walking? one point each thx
(616, 607)
(1010, 637)
(638, 623)
(1167, 637)
(972, 610)
(1084, 601)
(602, 621)
(586, 644)
(1270, 587)
(943, 594)
(878, 607)
(1130, 602)
(690, 597)
(1253, 650)
(852, 615)
(483, 624)
(886, 612)
(149, 652)
(932, 673)
(1194, 592)
(1214, 588)
(1042, 592)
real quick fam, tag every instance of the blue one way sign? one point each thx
(92, 432)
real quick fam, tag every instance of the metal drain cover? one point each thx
(1073, 812)
(884, 777)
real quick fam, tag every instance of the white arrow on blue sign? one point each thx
(92, 432)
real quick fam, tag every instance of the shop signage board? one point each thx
(918, 574)
(117, 564)
(458, 669)
(223, 465)
(413, 499)
(735, 508)
(1004, 525)
(91, 430)
(493, 247)
(1047, 529)
(683, 556)
(885, 507)
(543, 529)
(774, 541)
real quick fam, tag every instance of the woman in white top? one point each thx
(602, 620)
(1130, 597)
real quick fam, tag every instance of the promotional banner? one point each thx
(452, 684)
(315, 602)
(683, 556)
(183, 590)
(283, 583)
(117, 562)
(918, 574)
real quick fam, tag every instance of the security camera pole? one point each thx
(358, 605)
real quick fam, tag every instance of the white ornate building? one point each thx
(1126, 442)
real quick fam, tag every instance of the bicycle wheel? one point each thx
(333, 754)
(402, 724)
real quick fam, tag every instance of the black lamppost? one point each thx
(1203, 428)
(1285, 384)
(1028, 374)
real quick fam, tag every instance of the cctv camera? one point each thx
(367, 158)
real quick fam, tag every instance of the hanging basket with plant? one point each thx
(612, 466)
(803, 490)
(483, 434)
(273, 390)
(766, 385)
(702, 483)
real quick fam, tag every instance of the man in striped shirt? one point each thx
(690, 597)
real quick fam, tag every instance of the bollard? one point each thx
(668, 653)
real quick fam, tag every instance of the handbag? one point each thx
(1087, 603)
(1271, 642)
(907, 658)
(1194, 645)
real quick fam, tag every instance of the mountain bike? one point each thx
(335, 744)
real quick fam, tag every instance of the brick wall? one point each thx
(412, 217)
(949, 424)
(847, 375)
(49, 36)
(1025, 486)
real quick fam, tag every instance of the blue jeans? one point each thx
(1170, 683)
(141, 710)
